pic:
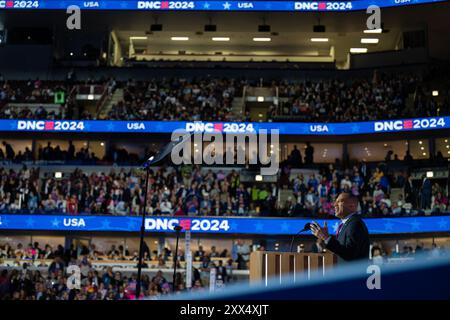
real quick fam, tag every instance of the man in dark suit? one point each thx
(352, 237)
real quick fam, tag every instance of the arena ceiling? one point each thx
(290, 33)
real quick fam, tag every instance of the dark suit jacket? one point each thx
(352, 243)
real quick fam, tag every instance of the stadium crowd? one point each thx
(344, 101)
(372, 185)
(176, 99)
(188, 190)
(52, 283)
(338, 100)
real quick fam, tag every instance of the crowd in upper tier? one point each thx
(383, 96)
(176, 99)
(191, 190)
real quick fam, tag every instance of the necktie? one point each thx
(339, 229)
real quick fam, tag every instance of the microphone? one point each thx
(164, 152)
(307, 227)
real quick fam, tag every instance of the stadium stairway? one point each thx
(285, 194)
(237, 108)
(409, 104)
(115, 98)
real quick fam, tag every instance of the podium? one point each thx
(265, 265)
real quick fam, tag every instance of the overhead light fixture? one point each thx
(220, 38)
(262, 39)
(260, 99)
(179, 38)
(435, 93)
(138, 38)
(370, 40)
(373, 30)
(58, 175)
(258, 177)
(430, 174)
(319, 39)
(358, 50)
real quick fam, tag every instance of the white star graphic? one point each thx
(388, 225)
(30, 222)
(105, 224)
(226, 5)
(55, 223)
(206, 5)
(442, 224)
(4, 222)
(415, 225)
(110, 127)
(131, 225)
(284, 227)
(335, 227)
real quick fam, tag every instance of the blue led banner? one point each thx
(291, 6)
(286, 128)
(264, 226)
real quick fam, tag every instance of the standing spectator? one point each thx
(72, 205)
(425, 193)
(296, 157)
(9, 151)
(309, 154)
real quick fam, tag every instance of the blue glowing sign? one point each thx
(211, 225)
(290, 6)
(286, 128)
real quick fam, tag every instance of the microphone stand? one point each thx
(141, 242)
(293, 238)
(152, 161)
(175, 257)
